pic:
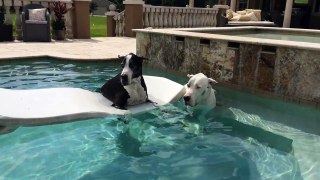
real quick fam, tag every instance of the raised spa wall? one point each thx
(285, 72)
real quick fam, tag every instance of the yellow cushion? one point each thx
(257, 13)
(229, 14)
(242, 12)
(252, 16)
(235, 17)
(244, 18)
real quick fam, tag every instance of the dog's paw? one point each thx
(121, 107)
(152, 102)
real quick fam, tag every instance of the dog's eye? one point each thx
(188, 85)
(198, 87)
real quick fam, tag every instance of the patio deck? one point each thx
(105, 48)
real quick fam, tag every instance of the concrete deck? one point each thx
(105, 48)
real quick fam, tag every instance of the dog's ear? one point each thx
(143, 58)
(121, 57)
(190, 75)
(212, 81)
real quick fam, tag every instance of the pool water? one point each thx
(276, 35)
(244, 137)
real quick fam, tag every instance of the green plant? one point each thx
(59, 9)
(118, 3)
(58, 24)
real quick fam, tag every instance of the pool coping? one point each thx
(198, 33)
(94, 49)
(56, 57)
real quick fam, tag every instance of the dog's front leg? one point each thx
(120, 101)
(201, 112)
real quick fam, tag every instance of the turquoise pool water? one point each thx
(245, 137)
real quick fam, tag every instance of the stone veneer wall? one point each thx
(293, 74)
(187, 55)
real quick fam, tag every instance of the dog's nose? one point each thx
(186, 98)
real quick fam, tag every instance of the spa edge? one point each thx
(284, 69)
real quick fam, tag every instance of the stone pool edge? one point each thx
(178, 49)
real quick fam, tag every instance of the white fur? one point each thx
(127, 70)
(136, 92)
(200, 90)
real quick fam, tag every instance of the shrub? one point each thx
(59, 9)
(93, 7)
(119, 4)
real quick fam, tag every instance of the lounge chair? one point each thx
(35, 27)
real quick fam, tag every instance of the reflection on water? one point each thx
(245, 137)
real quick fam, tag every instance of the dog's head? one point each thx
(198, 89)
(132, 68)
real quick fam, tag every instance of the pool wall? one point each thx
(286, 69)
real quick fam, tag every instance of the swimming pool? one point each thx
(166, 143)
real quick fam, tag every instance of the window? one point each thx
(243, 4)
(317, 6)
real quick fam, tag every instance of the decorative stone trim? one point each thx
(133, 2)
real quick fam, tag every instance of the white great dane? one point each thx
(199, 93)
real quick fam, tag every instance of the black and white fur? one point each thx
(128, 87)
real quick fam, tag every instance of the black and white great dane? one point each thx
(128, 87)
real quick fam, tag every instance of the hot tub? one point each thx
(279, 62)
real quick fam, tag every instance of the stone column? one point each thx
(133, 16)
(287, 14)
(233, 5)
(111, 23)
(69, 32)
(81, 19)
(221, 20)
(7, 16)
(191, 3)
(17, 5)
(18, 23)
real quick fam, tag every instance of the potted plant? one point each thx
(5, 29)
(59, 22)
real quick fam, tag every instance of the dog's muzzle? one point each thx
(124, 80)
(186, 99)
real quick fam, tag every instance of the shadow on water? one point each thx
(129, 145)
(239, 129)
(304, 118)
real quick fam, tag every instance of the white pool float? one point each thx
(56, 105)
